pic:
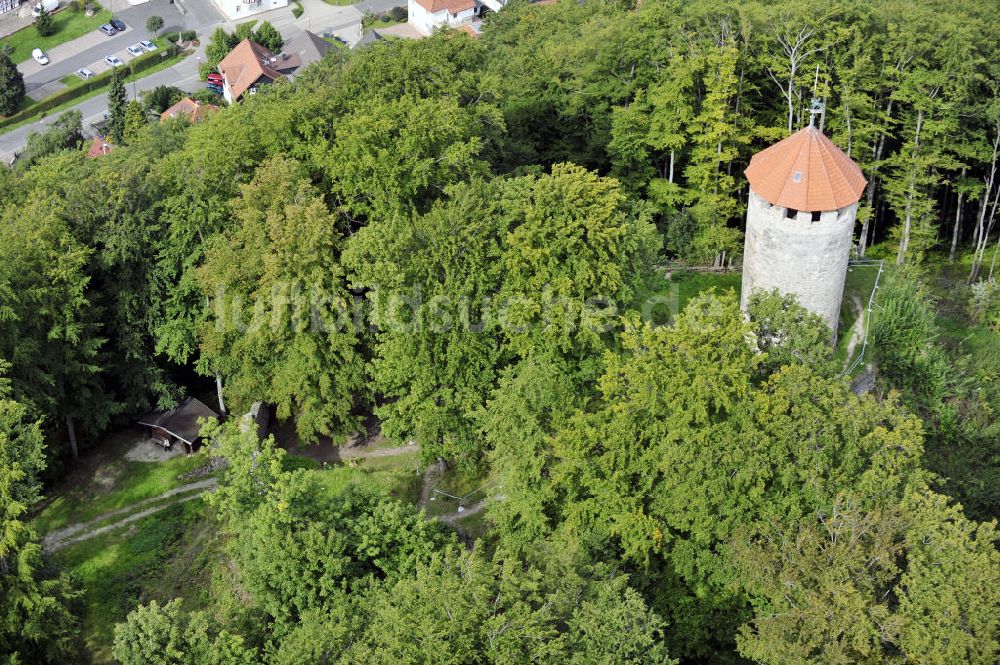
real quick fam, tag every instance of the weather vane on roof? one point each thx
(816, 108)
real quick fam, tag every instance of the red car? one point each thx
(215, 78)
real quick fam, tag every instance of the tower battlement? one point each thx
(804, 194)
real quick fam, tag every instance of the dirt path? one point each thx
(99, 525)
(360, 453)
(451, 519)
(431, 475)
(74, 533)
(857, 330)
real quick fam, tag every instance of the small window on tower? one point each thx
(815, 216)
(790, 213)
(797, 176)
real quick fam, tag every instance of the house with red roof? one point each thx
(250, 65)
(190, 108)
(99, 147)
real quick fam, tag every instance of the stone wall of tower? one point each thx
(797, 255)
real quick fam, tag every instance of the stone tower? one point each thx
(804, 194)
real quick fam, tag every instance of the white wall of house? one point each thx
(495, 5)
(237, 9)
(427, 22)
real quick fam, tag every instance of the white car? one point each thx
(85, 73)
(148, 45)
(114, 61)
(39, 56)
(135, 49)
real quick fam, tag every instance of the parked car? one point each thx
(114, 61)
(118, 24)
(38, 55)
(135, 49)
(85, 73)
(47, 5)
(214, 78)
(217, 89)
(108, 29)
(148, 45)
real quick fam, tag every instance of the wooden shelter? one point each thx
(181, 423)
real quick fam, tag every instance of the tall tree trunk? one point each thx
(218, 389)
(904, 242)
(958, 222)
(993, 263)
(71, 431)
(671, 178)
(983, 231)
(879, 147)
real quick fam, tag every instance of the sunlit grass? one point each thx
(118, 484)
(125, 568)
(69, 24)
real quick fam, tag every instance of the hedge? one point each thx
(140, 64)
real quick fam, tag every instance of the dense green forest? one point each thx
(463, 238)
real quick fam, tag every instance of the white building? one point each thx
(429, 15)
(237, 9)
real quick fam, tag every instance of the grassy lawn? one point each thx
(458, 483)
(662, 298)
(117, 484)
(476, 527)
(69, 24)
(399, 475)
(151, 559)
(376, 21)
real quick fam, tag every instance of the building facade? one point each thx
(804, 194)
(237, 9)
(427, 16)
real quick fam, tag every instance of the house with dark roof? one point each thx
(190, 108)
(370, 37)
(250, 65)
(307, 46)
(181, 423)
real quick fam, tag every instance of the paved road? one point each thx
(184, 75)
(92, 48)
(378, 6)
(201, 15)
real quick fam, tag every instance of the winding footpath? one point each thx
(105, 522)
(74, 533)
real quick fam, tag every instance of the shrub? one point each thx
(398, 13)
(44, 24)
(172, 37)
(984, 304)
(189, 35)
(154, 24)
(297, 10)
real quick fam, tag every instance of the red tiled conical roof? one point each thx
(806, 172)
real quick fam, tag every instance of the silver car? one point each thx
(135, 49)
(85, 73)
(114, 61)
(148, 45)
